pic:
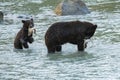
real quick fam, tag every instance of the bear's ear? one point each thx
(95, 26)
(31, 19)
(23, 21)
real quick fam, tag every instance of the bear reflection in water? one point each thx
(74, 32)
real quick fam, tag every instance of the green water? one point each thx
(100, 61)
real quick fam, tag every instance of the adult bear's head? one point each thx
(28, 26)
(90, 30)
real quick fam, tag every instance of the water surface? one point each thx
(100, 61)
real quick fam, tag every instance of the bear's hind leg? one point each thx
(58, 48)
(81, 46)
(18, 46)
(25, 45)
(51, 49)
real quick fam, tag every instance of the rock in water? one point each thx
(1, 16)
(71, 7)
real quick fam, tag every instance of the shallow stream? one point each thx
(100, 61)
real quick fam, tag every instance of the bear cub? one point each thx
(25, 35)
(74, 32)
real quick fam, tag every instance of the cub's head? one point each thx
(90, 31)
(28, 26)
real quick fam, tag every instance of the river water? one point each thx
(100, 61)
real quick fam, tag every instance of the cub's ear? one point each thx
(23, 21)
(31, 19)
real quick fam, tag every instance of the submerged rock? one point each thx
(1, 16)
(72, 7)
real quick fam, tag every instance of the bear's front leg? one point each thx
(30, 39)
(81, 45)
(58, 48)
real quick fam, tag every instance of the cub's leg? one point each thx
(18, 45)
(30, 39)
(24, 43)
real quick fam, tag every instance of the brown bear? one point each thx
(25, 35)
(74, 32)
